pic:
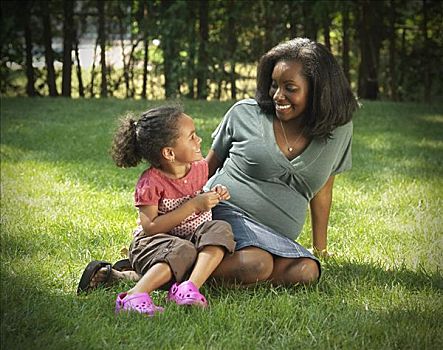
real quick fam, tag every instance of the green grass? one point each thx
(64, 203)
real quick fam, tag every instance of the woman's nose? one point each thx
(278, 95)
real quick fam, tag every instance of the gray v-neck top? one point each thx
(262, 182)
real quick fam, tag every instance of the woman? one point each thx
(277, 154)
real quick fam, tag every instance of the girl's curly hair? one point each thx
(143, 139)
(331, 102)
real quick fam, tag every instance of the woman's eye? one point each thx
(291, 88)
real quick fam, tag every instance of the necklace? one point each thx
(290, 149)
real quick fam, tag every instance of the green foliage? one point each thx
(240, 31)
(64, 203)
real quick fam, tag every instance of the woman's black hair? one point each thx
(331, 102)
(143, 139)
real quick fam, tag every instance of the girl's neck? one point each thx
(175, 170)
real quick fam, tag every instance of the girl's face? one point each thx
(187, 146)
(289, 90)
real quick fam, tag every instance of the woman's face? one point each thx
(289, 90)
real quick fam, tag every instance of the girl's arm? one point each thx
(320, 208)
(153, 223)
(213, 162)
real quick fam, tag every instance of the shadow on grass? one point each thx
(39, 316)
(374, 276)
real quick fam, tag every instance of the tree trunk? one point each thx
(392, 52)
(68, 14)
(401, 71)
(102, 42)
(81, 90)
(346, 42)
(192, 52)
(426, 51)
(125, 65)
(326, 29)
(91, 88)
(30, 88)
(170, 48)
(294, 17)
(144, 94)
(49, 53)
(145, 67)
(369, 47)
(232, 46)
(310, 26)
(202, 88)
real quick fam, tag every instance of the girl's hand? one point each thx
(222, 192)
(206, 201)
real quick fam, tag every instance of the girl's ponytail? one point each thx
(125, 151)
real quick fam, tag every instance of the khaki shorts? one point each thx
(179, 253)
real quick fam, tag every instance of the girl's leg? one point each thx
(138, 299)
(246, 266)
(207, 261)
(158, 275)
(289, 271)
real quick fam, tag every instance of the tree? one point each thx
(232, 45)
(49, 53)
(145, 12)
(427, 72)
(370, 35)
(392, 50)
(68, 38)
(102, 42)
(346, 40)
(310, 25)
(202, 87)
(30, 88)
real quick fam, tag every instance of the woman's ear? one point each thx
(168, 154)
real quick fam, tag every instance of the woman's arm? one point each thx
(213, 162)
(320, 208)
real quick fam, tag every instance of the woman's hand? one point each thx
(321, 254)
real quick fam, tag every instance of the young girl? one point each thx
(175, 230)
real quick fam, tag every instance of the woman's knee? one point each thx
(249, 265)
(289, 271)
(307, 271)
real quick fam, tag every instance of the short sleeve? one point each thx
(222, 136)
(146, 193)
(344, 159)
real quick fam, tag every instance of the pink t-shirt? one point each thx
(155, 188)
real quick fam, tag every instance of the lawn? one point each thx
(64, 203)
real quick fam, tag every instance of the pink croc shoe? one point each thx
(186, 293)
(139, 302)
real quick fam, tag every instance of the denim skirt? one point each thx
(248, 232)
